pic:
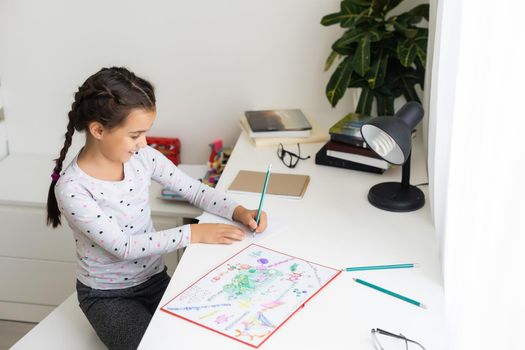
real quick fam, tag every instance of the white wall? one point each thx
(209, 60)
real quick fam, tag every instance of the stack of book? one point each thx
(286, 126)
(347, 149)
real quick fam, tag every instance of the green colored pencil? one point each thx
(262, 196)
(381, 267)
(386, 291)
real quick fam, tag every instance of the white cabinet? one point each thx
(37, 263)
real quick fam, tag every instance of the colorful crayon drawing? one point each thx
(251, 294)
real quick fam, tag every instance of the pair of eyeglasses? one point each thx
(378, 346)
(288, 158)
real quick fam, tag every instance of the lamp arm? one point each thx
(405, 173)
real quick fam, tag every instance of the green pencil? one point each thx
(381, 267)
(386, 291)
(262, 197)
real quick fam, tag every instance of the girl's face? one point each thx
(119, 143)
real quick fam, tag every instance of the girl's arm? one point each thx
(83, 212)
(168, 175)
(205, 197)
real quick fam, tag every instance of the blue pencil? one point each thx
(386, 291)
(262, 197)
(381, 267)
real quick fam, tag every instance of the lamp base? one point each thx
(392, 196)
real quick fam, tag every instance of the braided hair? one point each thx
(107, 97)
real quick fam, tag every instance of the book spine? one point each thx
(322, 159)
(346, 148)
(348, 140)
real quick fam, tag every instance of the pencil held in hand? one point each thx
(263, 192)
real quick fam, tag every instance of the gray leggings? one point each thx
(120, 316)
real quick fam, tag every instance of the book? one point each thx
(355, 154)
(317, 135)
(278, 123)
(268, 134)
(358, 143)
(348, 129)
(322, 158)
(281, 185)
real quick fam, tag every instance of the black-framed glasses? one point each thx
(288, 158)
(376, 332)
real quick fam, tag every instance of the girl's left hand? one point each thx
(247, 217)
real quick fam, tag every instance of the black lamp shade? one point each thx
(391, 137)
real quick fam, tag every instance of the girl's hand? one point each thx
(215, 233)
(247, 217)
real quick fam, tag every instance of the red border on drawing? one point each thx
(279, 326)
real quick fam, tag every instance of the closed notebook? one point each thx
(317, 135)
(277, 120)
(282, 185)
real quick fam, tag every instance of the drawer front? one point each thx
(36, 281)
(24, 234)
(24, 312)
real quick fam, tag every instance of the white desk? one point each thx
(333, 225)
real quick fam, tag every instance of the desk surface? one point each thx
(333, 225)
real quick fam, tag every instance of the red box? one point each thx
(168, 146)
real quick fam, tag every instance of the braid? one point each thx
(53, 212)
(67, 143)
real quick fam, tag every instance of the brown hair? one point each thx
(107, 97)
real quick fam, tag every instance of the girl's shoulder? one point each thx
(71, 183)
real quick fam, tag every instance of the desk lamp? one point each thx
(391, 139)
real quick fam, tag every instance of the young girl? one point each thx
(103, 194)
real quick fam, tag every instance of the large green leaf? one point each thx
(408, 49)
(366, 98)
(348, 15)
(330, 60)
(406, 52)
(362, 56)
(331, 19)
(339, 81)
(377, 73)
(351, 36)
(412, 17)
(362, 53)
(421, 50)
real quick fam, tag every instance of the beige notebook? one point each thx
(282, 185)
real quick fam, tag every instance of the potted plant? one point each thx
(383, 55)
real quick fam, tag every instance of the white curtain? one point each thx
(480, 178)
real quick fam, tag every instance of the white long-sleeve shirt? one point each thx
(117, 245)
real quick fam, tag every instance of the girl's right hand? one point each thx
(215, 233)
